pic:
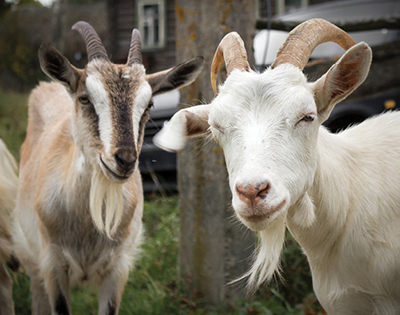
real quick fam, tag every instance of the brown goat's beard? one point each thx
(106, 203)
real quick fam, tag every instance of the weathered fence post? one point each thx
(214, 248)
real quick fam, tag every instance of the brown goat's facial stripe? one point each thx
(101, 104)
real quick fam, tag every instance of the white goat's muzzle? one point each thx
(257, 203)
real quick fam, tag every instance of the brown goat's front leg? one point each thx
(56, 283)
(6, 301)
(40, 300)
(57, 287)
(111, 289)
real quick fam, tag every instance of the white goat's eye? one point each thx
(308, 118)
(84, 100)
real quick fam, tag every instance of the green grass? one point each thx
(13, 120)
(154, 287)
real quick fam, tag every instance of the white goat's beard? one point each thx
(267, 255)
(106, 203)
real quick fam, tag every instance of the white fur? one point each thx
(337, 194)
(101, 103)
(174, 136)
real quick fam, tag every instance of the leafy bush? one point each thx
(19, 66)
(13, 120)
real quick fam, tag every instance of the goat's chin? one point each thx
(110, 171)
(261, 223)
(263, 217)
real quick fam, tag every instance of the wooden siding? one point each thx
(123, 18)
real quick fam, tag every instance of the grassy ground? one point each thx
(153, 287)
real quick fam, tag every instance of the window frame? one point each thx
(161, 21)
(281, 6)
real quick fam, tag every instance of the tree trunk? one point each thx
(214, 247)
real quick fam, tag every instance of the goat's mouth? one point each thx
(112, 175)
(262, 216)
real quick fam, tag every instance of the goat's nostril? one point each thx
(126, 159)
(263, 190)
(251, 194)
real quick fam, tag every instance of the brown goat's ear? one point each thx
(342, 78)
(57, 67)
(176, 77)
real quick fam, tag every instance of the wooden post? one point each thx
(214, 247)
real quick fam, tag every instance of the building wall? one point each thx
(123, 18)
(262, 7)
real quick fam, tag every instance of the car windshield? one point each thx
(338, 12)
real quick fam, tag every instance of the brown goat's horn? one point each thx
(94, 46)
(135, 51)
(231, 50)
(303, 39)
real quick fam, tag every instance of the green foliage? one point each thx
(5, 6)
(13, 120)
(18, 54)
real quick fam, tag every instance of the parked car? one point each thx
(159, 167)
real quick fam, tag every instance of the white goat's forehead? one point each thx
(270, 95)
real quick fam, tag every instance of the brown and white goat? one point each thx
(79, 205)
(337, 193)
(8, 193)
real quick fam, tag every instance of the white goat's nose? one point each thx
(253, 193)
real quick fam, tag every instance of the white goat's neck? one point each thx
(329, 195)
(340, 194)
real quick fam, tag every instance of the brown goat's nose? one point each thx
(252, 194)
(126, 159)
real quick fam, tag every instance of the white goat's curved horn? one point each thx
(94, 45)
(303, 39)
(135, 51)
(231, 50)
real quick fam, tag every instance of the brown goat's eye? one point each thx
(84, 100)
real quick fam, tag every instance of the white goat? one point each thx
(80, 203)
(8, 193)
(337, 193)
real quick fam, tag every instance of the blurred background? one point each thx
(173, 31)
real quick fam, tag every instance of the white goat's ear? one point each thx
(189, 122)
(57, 67)
(176, 77)
(342, 78)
